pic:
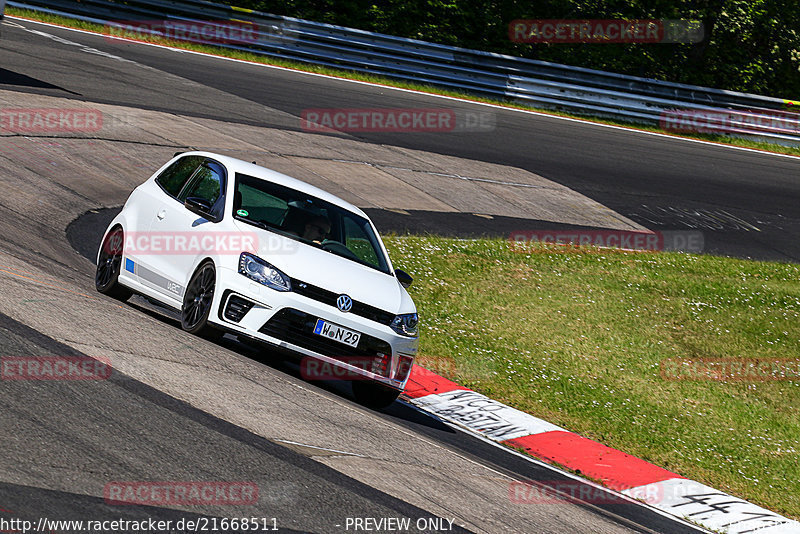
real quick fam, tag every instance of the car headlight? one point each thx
(262, 272)
(406, 324)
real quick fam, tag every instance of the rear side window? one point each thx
(176, 175)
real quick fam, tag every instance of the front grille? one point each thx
(329, 297)
(297, 327)
(237, 308)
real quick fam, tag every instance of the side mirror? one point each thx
(199, 206)
(403, 277)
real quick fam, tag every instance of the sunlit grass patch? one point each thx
(579, 338)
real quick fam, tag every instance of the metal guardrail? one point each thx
(676, 107)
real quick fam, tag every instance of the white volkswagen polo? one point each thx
(242, 249)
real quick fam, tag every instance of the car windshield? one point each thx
(307, 219)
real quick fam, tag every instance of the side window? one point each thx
(175, 176)
(206, 184)
(359, 242)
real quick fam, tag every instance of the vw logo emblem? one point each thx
(344, 303)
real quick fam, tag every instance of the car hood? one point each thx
(332, 272)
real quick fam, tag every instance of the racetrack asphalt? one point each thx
(178, 407)
(746, 203)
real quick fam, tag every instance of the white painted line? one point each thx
(318, 448)
(632, 130)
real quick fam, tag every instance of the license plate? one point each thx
(336, 333)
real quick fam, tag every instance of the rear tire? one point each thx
(197, 301)
(109, 264)
(373, 395)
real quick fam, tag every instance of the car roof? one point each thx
(240, 166)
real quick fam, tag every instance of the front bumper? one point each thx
(285, 320)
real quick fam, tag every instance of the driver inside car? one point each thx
(317, 229)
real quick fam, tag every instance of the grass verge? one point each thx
(343, 73)
(580, 338)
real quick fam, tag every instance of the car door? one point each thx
(181, 232)
(145, 203)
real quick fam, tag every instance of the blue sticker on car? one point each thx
(130, 266)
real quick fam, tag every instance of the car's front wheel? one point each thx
(197, 301)
(109, 263)
(373, 395)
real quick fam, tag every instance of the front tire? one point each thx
(373, 395)
(109, 264)
(197, 301)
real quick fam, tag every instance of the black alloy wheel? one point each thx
(109, 263)
(197, 302)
